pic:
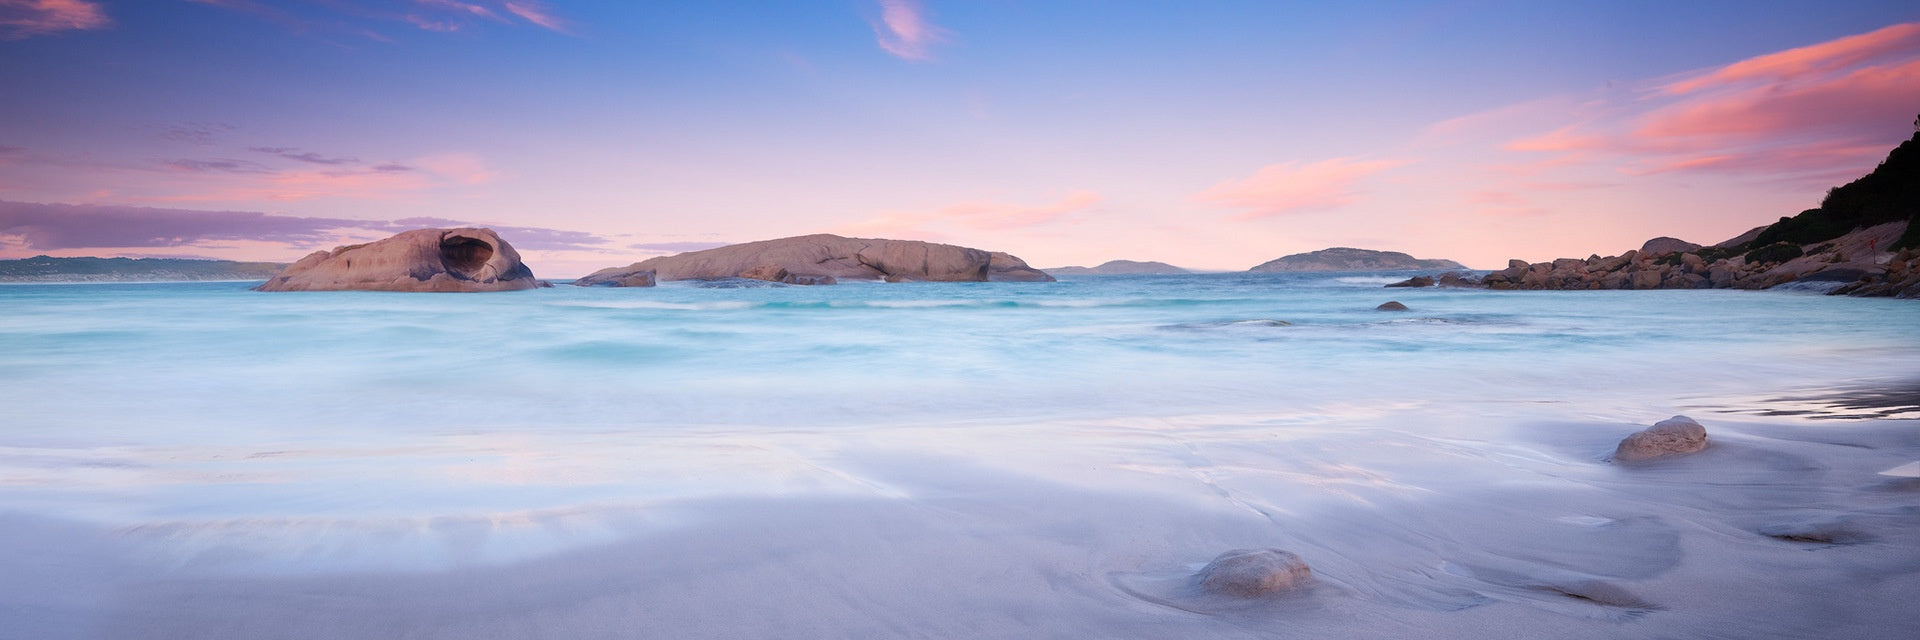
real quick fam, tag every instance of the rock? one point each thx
(809, 281)
(825, 259)
(1391, 305)
(1350, 259)
(1665, 245)
(1003, 267)
(1644, 279)
(767, 272)
(1416, 281)
(451, 260)
(1458, 279)
(1248, 573)
(1673, 436)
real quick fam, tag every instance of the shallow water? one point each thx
(947, 460)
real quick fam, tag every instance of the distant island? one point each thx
(1350, 259)
(50, 269)
(1118, 268)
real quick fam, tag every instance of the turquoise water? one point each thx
(207, 431)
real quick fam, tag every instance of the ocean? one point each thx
(950, 460)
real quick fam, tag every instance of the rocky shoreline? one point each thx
(1854, 264)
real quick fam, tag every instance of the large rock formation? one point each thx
(1349, 259)
(419, 260)
(825, 259)
(1248, 573)
(1119, 267)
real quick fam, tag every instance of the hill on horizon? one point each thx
(91, 269)
(1119, 267)
(1351, 259)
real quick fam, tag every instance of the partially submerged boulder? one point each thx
(1391, 305)
(1416, 281)
(439, 260)
(825, 259)
(1677, 435)
(1249, 573)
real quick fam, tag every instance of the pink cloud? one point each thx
(1292, 187)
(1804, 114)
(537, 13)
(904, 31)
(975, 216)
(1874, 94)
(28, 18)
(1814, 59)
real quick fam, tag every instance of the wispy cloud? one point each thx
(1293, 187)
(361, 17)
(293, 153)
(903, 30)
(675, 247)
(537, 13)
(1813, 60)
(38, 227)
(20, 19)
(1808, 113)
(975, 216)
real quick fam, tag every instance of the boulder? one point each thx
(767, 272)
(440, 260)
(1665, 245)
(1416, 281)
(1458, 279)
(1391, 305)
(825, 259)
(1677, 435)
(1249, 573)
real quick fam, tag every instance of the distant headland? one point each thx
(87, 269)
(1118, 268)
(1350, 259)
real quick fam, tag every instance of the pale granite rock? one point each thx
(440, 260)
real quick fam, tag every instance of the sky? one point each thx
(1210, 135)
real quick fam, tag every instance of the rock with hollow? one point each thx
(436, 260)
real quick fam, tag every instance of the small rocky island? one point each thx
(825, 259)
(437, 260)
(90, 269)
(1350, 259)
(1119, 268)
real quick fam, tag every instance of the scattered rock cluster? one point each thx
(1856, 263)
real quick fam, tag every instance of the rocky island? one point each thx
(437, 260)
(1350, 259)
(825, 259)
(89, 269)
(1119, 267)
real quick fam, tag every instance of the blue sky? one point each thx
(1207, 134)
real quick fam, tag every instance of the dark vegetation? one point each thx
(1890, 193)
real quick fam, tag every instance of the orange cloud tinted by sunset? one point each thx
(28, 18)
(1291, 187)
